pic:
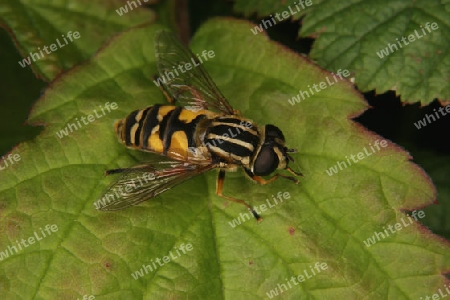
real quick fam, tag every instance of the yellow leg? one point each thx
(219, 187)
(263, 181)
(293, 172)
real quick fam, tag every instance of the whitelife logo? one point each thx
(284, 15)
(169, 76)
(393, 47)
(166, 259)
(90, 118)
(124, 9)
(319, 267)
(398, 226)
(31, 240)
(318, 87)
(35, 56)
(10, 158)
(87, 297)
(131, 185)
(441, 295)
(423, 122)
(261, 208)
(225, 137)
(360, 156)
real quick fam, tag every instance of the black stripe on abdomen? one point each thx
(171, 124)
(189, 129)
(137, 135)
(167, 128)
(129, 122)
(151, 120)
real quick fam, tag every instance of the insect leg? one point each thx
(293, 172)
(164, 91)
(219, 187)
(263, 181)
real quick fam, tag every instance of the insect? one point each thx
(202, 134)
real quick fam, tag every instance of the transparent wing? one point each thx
(191, 88)
(145, 181)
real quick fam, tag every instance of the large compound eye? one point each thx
(274, 132)
(266, 162)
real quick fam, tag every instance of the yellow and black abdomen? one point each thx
(164, 129)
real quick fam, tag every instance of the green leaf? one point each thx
(383, 43)
(38, 24)
(326, 219)
(418, 70)
(436, 166)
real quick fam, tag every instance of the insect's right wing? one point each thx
(145, 181)
(191, 88)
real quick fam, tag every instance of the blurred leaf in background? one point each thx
(19, 89)
(35, 24)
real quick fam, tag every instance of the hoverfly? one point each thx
(202, 134)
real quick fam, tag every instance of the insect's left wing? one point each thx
(192, 88)
(144, 182)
